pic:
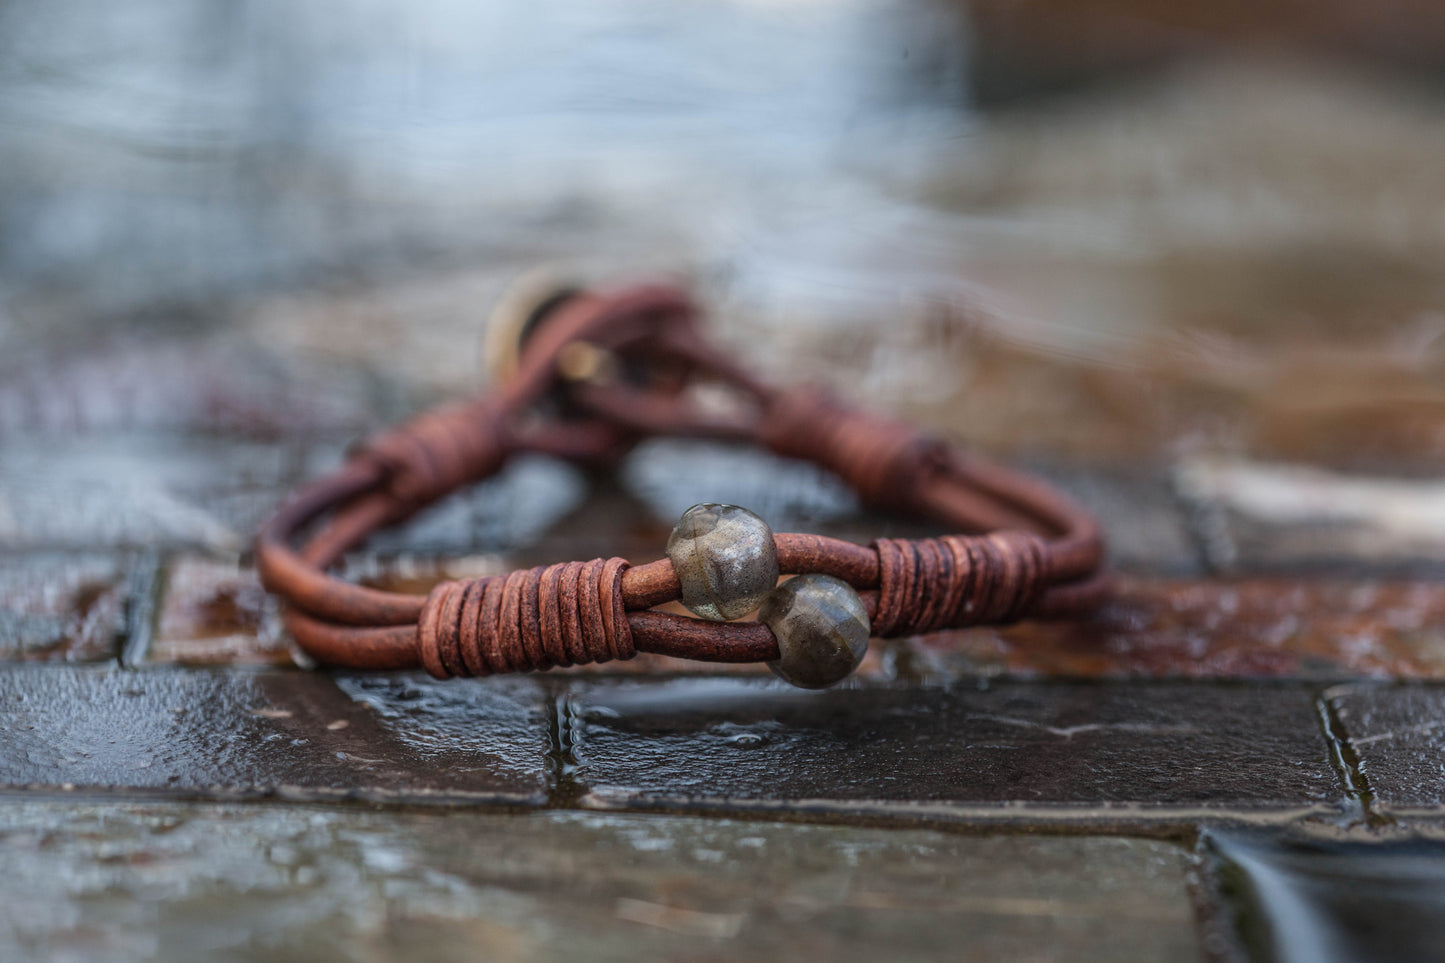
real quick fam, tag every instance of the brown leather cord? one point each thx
(1028, 552)
(567, 614)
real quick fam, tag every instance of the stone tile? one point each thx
(1397, 736)
(60, 606)
(293, 734)
(531, 502)
(669, 476)
(1140, 513)
(216, 612)
(140, 381)
(1083, 752)
(189, 881)
(89, 492)
(1318, 629)
(1298, 899)
(1255, 516)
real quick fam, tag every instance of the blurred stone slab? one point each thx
(1257, 515)
(1298, 899)
(1072, 752)
(143, 380)
(62, 606)
(149, 490)
(193, 881)
(290, 734)
(216, 612)
(1023, 50)
(1326, 629)
(1397, 735)
(1140, 514)
(530, 500)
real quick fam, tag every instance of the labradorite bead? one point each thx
(725, 559)
(821, 627)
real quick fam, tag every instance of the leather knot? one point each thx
(884, 461)
(438, 451)
(555, 615)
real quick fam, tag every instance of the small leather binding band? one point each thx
(1023, 550)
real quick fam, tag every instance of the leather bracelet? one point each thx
(593, 373)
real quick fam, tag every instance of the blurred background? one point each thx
(1096, 230)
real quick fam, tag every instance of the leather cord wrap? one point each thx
(929, 584)
(555, 615)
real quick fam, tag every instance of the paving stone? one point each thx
(1255, 516)
(530, 498)
(669, 476)
(89, 492)
(1307, 900)
(1140, 514)
(1397, 734)
(139, 382)
(1069, 751)
(1319, 629)
(216, 612)
(237, 882)
(293, 734)
(61, 606)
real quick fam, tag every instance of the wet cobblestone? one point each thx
(217, 613)
(1300, 898)
(1259, 517)
(293, 735)
(1322, 628)
(62, 606)
(1397, 734)
(180, 882)
(144, 490)
(1084, 752)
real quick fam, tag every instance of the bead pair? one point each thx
(727, 566)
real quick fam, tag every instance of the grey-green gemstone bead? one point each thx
(725, 559)
(821, 627)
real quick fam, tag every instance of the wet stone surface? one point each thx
(216, 612)
(1082, 751)
(528, 502)
(61, 606)
(1302, 900)
(289, 734)
(172, 379)
(1147, 528)
(241, 882)
(1261, 516)
(144, 490)
(1323, 629)
(1397, 734)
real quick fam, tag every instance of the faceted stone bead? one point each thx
(725, 559)
(821, 627)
